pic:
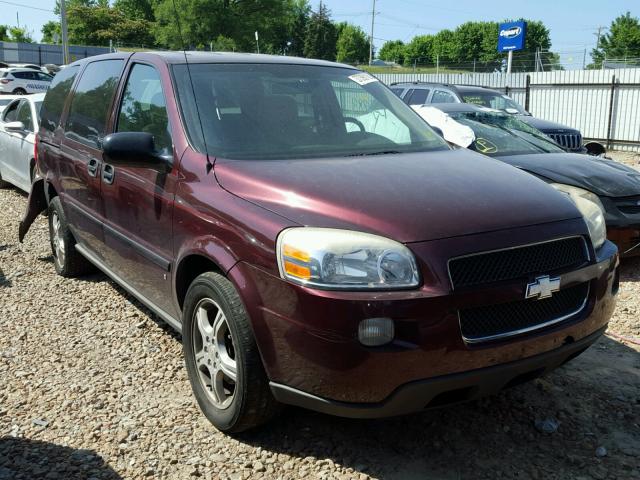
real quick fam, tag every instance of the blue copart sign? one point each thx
(511, 36)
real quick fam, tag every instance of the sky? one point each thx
(573, 23)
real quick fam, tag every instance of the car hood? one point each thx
(407, 197)
(546, 125)
(600, 176)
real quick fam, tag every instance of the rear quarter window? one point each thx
(56, 96)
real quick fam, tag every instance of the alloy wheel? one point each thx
(214, 353)
(57, 240)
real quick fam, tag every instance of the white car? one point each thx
(19, 123)
(20, 81)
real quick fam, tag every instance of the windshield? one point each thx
(493, 100)
(275, 111)
(498, 134)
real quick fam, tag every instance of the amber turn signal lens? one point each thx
(296, 253)
(297, 270)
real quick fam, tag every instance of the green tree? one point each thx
(49, 30)
(321, 37)
(237, 20)
(98, 24)
(17, 34)
(622, 41)
(224, 44)
(393, 51)
(477, 42)
(537, 39)
(352, 45)
(300, 13)
(419, 50)
(141, 9)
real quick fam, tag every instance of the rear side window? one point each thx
(43, 77)
(440, 96)
(91, 100)
(55, 98)
(418, 96)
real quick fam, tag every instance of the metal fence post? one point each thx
(527, 92)
(610, 121)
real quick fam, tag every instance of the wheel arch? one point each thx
(195, 263)
(595, 148)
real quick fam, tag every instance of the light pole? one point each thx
(63, 26)
(373, 17)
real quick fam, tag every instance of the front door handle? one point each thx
(93, 167)
(108, 173)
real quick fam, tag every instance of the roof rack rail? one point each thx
(420, 82)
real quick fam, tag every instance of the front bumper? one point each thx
(309, 345)
(444, 390)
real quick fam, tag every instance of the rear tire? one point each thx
(19, 91)
(3, 184)
(222, 358)
(66, 259)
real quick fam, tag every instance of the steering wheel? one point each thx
(356, 121)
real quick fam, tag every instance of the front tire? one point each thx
(222, 358)
(66, 259)
(19, 91)
(3, 184)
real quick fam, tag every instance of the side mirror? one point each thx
(134, 149)
(512, 111)
(14, 127)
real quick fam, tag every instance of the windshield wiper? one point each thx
(366, 154)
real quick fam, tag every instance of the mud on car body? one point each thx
(309, 254)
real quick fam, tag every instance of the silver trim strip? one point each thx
(521, 331)
(584, 244)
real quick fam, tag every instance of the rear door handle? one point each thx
(108, 173)
(93, 167)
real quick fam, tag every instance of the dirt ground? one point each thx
(93, 387)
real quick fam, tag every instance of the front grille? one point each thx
(516, 263)
(496, 321)
(572, 141)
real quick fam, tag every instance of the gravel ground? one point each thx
(93, 387)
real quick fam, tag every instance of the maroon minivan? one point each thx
(313, 240)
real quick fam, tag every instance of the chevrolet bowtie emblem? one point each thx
(543, 287)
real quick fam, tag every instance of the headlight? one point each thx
(343, 259)
(592, 210)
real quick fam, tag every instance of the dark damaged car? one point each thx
(613, 186)
(306, 233)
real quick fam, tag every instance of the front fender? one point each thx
(36, 204)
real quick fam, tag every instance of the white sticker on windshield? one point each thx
(363, 78)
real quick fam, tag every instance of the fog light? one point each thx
(374, 332)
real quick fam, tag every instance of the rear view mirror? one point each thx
(134, 149)
(15, 127)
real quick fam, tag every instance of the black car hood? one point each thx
(600, 176)
(546, 125)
